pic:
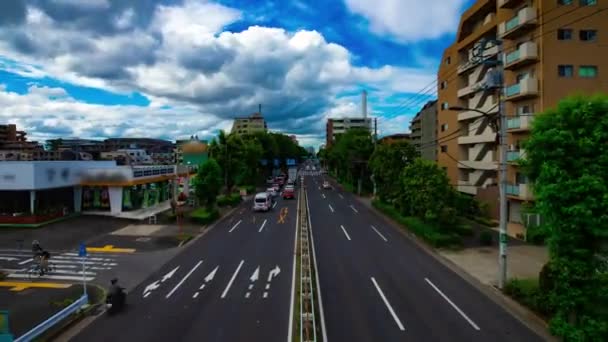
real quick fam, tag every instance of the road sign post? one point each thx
(82, 253)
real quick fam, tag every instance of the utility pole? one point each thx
(502, 261)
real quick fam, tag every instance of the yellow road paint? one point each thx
(20, 286)
(110, 249)
(283, 215)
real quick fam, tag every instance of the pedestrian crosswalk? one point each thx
(314, 173)
(65, 266)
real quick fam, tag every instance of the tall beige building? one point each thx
(551, 49)
(249, 125)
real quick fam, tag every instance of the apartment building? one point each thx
(423, 130)
(250, 124)
(335, 127)
(551, 49)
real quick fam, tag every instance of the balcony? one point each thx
(471, 63)
(514, 156)
(520, 123)
(486, 137)
(478, 165)
(519, 191)
(524, 20)
(470, 114)
(509, 3)
(470, 89)
(467, 188)
(526, 54)
(527, 87)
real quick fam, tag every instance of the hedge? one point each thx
(528, 293)
(428, 232)
(203, 216)
(229, 200)
(249, 188)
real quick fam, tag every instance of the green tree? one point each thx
(208, 182)
(426, 192)
(387, 163)
(567, 163)
(350, 154)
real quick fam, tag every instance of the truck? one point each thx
(292, 173)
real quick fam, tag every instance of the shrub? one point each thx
(204, 216)
(486, 238)
(528, 293)
(229, 200)
(464, 229)
(249, 188)
(536, 234)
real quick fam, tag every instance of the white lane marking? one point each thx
(323, 195)
(345, 233)
(314, 256)
(267, 286)
(202, 287)
(232, 279)
(262, 227)
(195, 295)
(147, 294)
(293, 276)
(342, 197)
(388, 305)
(377, 232)
(331, 208)
(453, 305)
(353, 208)
(274, 205)
(26, 261)
(234, 227)
(247, 294)
(184, 279)
(265, 295)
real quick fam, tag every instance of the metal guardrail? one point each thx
(308, 328)
(56, 318)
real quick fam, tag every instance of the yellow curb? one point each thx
(20, 286)
(110, 249)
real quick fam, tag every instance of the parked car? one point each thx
(289, 193)
(326, 185)
(262, 202)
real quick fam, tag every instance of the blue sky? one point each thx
(173, 68)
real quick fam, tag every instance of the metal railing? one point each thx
(54, 320)
(308, 327)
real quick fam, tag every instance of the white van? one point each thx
(262, 202)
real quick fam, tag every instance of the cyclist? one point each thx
(41, 256)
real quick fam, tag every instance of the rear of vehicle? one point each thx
(326, 185)
(262, 202)
(289, 193)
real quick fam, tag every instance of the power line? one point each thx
(416, 100)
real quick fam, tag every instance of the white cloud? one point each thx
(409, 20)
(84, 3)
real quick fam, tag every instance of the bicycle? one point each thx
(36, 270)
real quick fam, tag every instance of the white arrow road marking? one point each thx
(388, 305)
(262, 227)
(151, 288)
(353, 208)
(234, 227)
(377, 232)
(273, 273)
(232, 279)
(342, 197)
(323, 195)
(256, 275)
(331, 208)
(274, 205)
(453, 305)
(169, 275)
(345, 233)
(211, 275)
(184, 279)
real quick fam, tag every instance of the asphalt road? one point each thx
(208, 294)
(376, 285)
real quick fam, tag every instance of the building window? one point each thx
(564, 34)
(444, 148)
(445, 106)
(587, 71)
(564, 2)
(588, 2)
(448, 60)
(444, 84)
(565, 70)
(588, 35)
(444, 127)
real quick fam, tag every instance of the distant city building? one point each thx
(13, 140)
(335, 127)
(248, 125)
(393, 138)
(424, 131)
(311, 150)
(191, 152)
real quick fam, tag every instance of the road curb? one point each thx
(526, 316)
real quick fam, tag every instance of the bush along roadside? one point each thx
(204, 215)
(231, 200)
(528, 293)
(430, 233)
